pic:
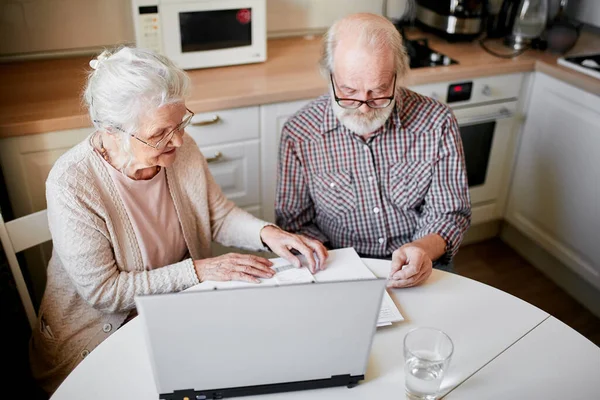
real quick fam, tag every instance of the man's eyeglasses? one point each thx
(378, 102)
(187, 118)
(157, 144)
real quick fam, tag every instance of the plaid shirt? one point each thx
(408, 180)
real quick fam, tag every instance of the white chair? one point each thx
(18, 235)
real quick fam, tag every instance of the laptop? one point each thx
(257, 340)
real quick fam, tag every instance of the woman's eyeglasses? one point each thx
(187, 118)
(378, 102)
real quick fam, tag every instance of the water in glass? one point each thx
(424, 376)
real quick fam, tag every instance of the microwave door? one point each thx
(215, 29)
(202, 34)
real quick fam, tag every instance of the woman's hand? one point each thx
(234, 267)
(281, 242)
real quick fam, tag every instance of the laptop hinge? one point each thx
(214, 394)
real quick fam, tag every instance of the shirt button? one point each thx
(370, 179)
(107, 328)
(376, 210)
(84, 354)
(332, 185)
(381, 240)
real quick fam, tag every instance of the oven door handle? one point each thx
(503, 113)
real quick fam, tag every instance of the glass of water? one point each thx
(427, 353)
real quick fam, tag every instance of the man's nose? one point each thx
(364, 108)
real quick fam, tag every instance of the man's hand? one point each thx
(281, 242)
(411, 266)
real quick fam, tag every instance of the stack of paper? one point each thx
(342, 264)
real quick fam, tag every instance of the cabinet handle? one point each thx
(217, 157)
(501, 114)
(211, 121)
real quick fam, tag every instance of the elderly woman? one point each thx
(133, 210)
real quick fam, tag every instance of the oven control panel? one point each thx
(459, 92)
(474, 91)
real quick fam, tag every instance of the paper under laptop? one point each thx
(342, 265)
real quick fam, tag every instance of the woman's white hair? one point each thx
(126, 85)
(374, 32)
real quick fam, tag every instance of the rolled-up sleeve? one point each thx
(294, 208)
(447, 207)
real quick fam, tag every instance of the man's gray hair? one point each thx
(124, 86)
(374, 32)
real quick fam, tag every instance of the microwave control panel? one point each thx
(148, 35)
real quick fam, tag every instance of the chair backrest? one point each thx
(18, 235)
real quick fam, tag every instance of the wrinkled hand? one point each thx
(281, 242)
(411, 266)
(234, 267)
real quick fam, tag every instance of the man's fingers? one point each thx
(414, 280)
(399, 260)
(407, 271)
(319, 250)
(284, 253)
(307, 252)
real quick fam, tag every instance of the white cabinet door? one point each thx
(555, 193)
(26, 162)
(236, 169)
(272, 119)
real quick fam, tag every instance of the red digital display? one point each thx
(458, 88)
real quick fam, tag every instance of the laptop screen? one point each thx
(259, 336)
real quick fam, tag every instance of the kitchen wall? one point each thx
(71, 26)
(30, 26)
(587, 11)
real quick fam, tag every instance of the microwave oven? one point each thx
(203, 33)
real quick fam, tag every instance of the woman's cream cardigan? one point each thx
(96, 267)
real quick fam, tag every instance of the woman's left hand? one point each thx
(281, 242)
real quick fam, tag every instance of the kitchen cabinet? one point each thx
(229, 139)
(26, 162)
(555, 192)
(272, 119)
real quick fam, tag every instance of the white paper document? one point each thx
(342, 264)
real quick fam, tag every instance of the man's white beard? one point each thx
(359, 122)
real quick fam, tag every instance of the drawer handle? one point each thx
(217, 157)
(205, 122)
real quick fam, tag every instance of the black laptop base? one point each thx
(191, 394)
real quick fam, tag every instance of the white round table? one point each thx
(504, 348)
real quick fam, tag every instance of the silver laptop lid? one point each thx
(205, 340)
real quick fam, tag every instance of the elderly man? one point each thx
(373, 165)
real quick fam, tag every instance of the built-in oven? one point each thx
(486, 133)
(486, 111)
(203, 33)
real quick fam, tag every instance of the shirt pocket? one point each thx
(334, 194)
(409, 182)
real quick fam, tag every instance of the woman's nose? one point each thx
(177, 139)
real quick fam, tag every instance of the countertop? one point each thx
(45, 95)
